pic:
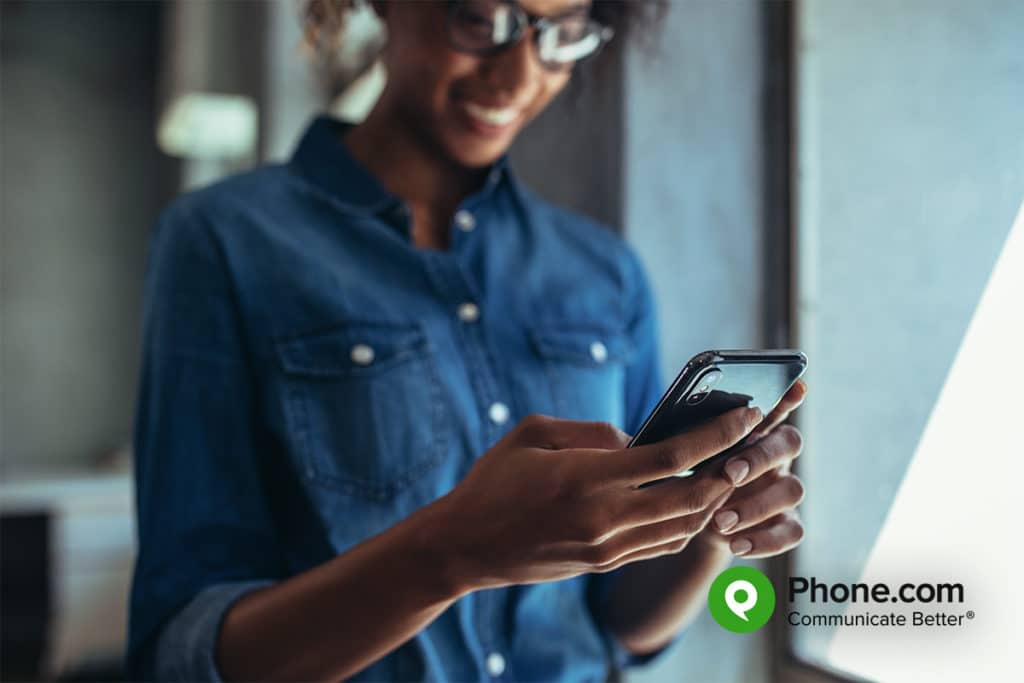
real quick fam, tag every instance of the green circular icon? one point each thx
(741, 599)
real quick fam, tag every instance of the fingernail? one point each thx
(753, 416)
(736, 470)
(726, 519)
(740, 546)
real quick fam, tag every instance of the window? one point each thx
(911, 309)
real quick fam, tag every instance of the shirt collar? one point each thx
(323, 159)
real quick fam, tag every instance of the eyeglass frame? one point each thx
(538, 23)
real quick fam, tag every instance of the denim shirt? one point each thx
(310, 377)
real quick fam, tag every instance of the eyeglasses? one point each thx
(486, 27)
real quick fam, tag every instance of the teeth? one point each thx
(494, 117)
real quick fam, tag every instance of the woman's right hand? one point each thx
(557, 498)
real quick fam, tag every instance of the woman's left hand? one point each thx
(760, 519)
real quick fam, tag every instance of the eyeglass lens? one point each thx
(484, 26)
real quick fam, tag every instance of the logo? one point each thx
(741, 599)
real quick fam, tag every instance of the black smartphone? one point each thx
(715, 382)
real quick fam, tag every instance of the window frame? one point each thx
(780, 324)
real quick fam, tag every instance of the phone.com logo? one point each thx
(741, 599)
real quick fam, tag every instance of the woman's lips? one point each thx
(488, 121)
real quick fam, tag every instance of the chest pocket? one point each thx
(586, 367)
(363, 406)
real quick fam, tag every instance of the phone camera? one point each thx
(696, 397)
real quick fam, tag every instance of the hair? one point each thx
(324, 24)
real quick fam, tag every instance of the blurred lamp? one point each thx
(209, 126)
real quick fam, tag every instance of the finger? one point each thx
(772, 451)
(783, 494)
(669, 548)
(772, 537)
(646, 463)
(667, 500)
(662, 528)
(790, 402)
(645, 537)
(752, 487)
(542, 431)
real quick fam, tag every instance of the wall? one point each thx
(81, 182)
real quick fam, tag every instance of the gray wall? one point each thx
(911, 135)
(291, 93)
(81, 181)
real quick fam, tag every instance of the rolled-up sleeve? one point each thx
(186, 649)
(205, 532)
(643, 389)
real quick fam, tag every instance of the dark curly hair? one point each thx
(324, 23)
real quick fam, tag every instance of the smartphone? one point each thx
(715, 382)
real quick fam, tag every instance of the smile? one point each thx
(490, 116)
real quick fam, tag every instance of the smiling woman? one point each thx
(325, 20)
(354, 457)
(435, 46)
(339, 56)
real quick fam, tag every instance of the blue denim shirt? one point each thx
(310, 377)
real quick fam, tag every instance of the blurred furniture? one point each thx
(68, 546)
(24, 594)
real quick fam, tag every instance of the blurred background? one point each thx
(838, 175)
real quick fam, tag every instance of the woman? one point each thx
(342, 468)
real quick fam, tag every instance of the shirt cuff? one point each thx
(186, 649)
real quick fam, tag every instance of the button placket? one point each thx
(454, 286)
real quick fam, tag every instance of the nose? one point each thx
(513, 71)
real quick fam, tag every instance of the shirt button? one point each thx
(599, 352)
(468, 312)
(498, 412)
(495, 664)
(362, 354)
(464, 219)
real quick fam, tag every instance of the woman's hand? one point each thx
(759, 518)
(651, 601)
(556, 498)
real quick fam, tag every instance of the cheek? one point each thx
(420, 64)
(451, 72)
(426, 78)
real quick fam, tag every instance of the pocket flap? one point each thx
(352, 348)
(585, 345)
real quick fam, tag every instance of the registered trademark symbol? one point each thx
(970, 614)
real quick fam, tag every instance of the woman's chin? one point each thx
(472, 154)
(474, 147)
